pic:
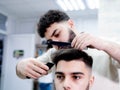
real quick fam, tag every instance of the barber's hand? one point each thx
(32, 68)
(85, 40)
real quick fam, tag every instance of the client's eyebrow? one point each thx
(78, 73)
(59, 73)
(74, 73)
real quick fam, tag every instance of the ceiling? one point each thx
(34, 8)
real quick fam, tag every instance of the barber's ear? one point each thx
(71, 23)
(91, 81)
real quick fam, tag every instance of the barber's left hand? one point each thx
(85, 40)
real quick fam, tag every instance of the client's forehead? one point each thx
(71, 66)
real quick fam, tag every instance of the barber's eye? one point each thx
(76, 77)
(56, 35)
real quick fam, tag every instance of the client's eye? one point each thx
(60, 77)
(76, 77)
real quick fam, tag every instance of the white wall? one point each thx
(25, 26)
(10, 81)
(89, 25)
(19, 35)
(109, 18)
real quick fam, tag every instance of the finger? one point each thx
(79, 40)
(33, 74)
(29, 76)
(39, 70)
(75, 40)
(41, 65)
(83, 46)
(78, 46)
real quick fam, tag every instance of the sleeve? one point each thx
(46, 57)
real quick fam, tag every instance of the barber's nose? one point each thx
(67, 84)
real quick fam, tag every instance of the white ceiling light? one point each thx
(74, 5)
(62, 5)
(70, 5)
(97, 3)
(80, 4)
(91, 4)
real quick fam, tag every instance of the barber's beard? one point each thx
(71, 35)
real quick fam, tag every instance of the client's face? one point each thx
(72, 75)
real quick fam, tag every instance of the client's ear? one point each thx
(91, 81)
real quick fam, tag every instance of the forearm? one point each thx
(113, 49)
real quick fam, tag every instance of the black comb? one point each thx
(50, 42)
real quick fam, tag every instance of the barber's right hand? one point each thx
(31, 68)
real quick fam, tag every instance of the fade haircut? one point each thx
(72, 54)
(49, 18)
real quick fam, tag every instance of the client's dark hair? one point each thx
(49, 18)
(70, 54)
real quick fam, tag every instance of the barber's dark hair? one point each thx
(49, 18)
(70, 54)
